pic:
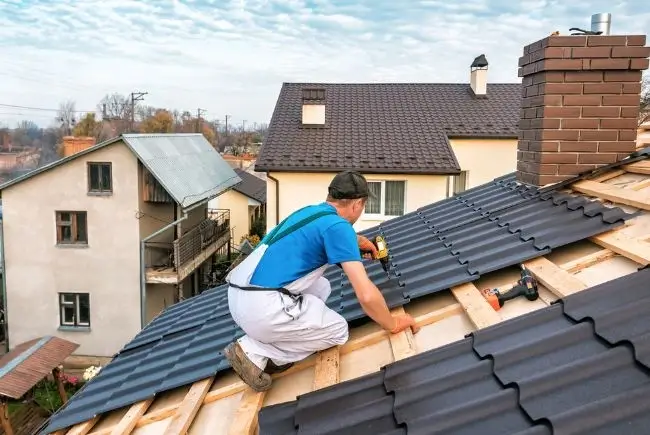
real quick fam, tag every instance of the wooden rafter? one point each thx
(636, 250)
(641, 167)
(327, 370)
(188, 408)
(554, 278)
(613, 193)
(403, 343)
(128, 422)
(479, 311)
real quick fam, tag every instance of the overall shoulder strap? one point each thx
(285, 232)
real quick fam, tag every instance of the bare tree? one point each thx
(66, 116)
(644, 109)
(116, 113)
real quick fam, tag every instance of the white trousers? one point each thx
(277, 328)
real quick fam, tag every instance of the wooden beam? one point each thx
(83, 428)
(402, 343)
(557, 280)
(613, 193)
(327, 371)
(636, 250)
(479, 311)
(588, 260)
(57, 374)
(128, 422)
(245, 420)
(188, 408)
(608, 176)
(350, 346)
(640, 167)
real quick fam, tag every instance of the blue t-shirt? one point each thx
(329, 239)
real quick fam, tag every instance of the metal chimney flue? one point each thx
(601, 23)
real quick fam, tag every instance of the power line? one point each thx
(199, 120)
(42, 108)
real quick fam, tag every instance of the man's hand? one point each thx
(403, 321)
(367, 246)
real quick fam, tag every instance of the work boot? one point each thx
(252, 375)
(272, 368)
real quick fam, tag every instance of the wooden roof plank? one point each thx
(613, 193)
(83, 428)
(554, 278)
(128, 422)
(479, 311)
(588, 260)
(189, 407)
(245, 420)
(635, 249)
(326, 371)
(402, 343)
(641, 167)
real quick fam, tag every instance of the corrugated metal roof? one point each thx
(29, 362)
(186, 165)
(448, 243)
(576, 367)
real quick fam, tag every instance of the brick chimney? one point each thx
(73, 144)
(580, 104)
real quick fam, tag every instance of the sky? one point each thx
(230, 57)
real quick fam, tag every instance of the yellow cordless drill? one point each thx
(382, 253)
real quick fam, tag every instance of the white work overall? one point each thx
(280, 327)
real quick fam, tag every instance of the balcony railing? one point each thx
(182, 256)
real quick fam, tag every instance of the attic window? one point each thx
(313, 94)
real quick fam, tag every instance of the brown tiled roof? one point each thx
(386, 128)
(251, 186)
(29, 362)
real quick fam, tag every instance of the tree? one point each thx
(116, 113)
(161, 122)
(87, 126)
(644, 109)
(66, 116)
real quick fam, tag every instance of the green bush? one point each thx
(259, 227)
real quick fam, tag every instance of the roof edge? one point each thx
(334, 169)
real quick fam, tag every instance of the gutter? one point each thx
(277, 197)
(4, 286)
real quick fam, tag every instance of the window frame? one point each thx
(100, 191)
(382, 202)
(76, 304)
(73, 223)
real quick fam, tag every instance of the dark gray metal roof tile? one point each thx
(278, 419)
(454, 241)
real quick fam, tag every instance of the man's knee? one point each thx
(340, 332)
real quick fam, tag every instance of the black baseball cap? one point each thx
(349, 185)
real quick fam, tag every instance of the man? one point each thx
(277, 294)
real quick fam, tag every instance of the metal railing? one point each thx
(191, 244)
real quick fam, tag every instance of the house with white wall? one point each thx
(97, 243)
(416, 143)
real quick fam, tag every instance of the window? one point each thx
(74, 309)
(313, 94)
(100, 178)
(460, 182)
(71, 227)
(389, 198)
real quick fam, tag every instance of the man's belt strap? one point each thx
(265, 289)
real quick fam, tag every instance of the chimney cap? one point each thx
(479, 62)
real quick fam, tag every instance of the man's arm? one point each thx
(373, 302)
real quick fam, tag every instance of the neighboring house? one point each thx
(415, 142)
(246, 202)
(572, 361)
(98, 243)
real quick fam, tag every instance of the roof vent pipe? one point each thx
(601, 23)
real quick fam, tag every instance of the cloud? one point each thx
(231, 56)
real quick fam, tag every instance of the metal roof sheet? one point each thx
(448, 243)
(578, 366)
(186, 165)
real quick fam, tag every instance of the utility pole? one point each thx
(198, 119)
(243, 126)
(227, 116)
(135, 96)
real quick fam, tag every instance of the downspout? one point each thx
(277, 197)
(4, 286)
(143, 272)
